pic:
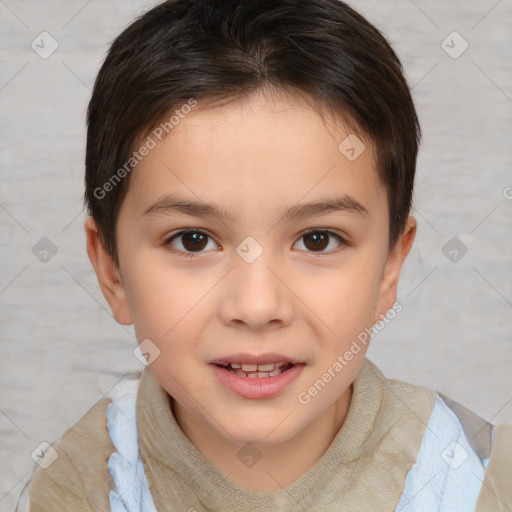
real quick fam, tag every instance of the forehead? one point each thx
(256, 153)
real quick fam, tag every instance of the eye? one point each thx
(318, 240)
(192, 241)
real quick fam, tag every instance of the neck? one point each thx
(281, 464)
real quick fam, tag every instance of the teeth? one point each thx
(254, 371)
(256, 367)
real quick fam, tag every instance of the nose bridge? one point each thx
(255, 295)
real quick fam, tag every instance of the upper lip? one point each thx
(255, 359)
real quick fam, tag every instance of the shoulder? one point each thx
(483, 450)
(496, 491)
(463, 458)
(78, 478)
(401, 401)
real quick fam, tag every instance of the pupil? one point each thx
(319, 241)
(194, 239)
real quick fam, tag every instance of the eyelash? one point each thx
(343, 241)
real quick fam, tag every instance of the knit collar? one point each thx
(359, 451)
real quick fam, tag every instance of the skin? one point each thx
(253, 158)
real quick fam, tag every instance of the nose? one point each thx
(257, 296)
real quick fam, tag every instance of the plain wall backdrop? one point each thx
(61, 350)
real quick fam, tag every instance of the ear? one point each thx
(396, 258)
(108, 274)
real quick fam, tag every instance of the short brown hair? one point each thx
(226, 49)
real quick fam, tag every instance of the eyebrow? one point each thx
(173, 205)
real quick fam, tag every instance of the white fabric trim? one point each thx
(131, 492)
(448, 474)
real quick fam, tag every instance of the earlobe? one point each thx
(108, 274)
(396, 258)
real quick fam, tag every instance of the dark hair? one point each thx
(223, 50)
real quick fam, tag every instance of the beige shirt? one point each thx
(364, 468)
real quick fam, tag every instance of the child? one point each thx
(249, 173)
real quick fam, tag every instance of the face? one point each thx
(253, 272)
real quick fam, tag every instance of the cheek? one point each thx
(345, 301)
(161, 299)
(168, 311)
(349, 292)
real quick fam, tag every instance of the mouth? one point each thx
(257, 380)
(257, 371)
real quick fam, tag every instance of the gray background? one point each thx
(61, 350)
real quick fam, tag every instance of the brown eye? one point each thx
(192, 242)
(319, 241)
(316, 241)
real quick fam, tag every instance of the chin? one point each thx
(266, 430)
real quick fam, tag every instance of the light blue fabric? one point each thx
(448, 474)
(131, 492)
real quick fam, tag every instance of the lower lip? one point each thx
(261, 387)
